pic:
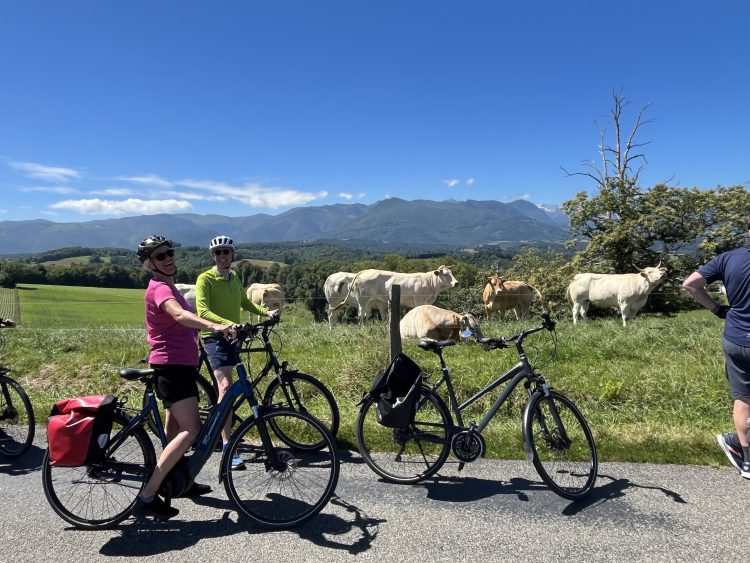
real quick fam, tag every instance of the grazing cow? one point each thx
(336, 289)
(371, 288)
(629, 292)
(428, 321)
(188, 292)
(502, 295)
(268, 295)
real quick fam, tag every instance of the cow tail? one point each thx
(541, 299)
(348, 293)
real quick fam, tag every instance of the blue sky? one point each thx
(110, 109)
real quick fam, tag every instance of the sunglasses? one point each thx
(162, 255)
(224, 251)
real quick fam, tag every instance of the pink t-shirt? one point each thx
(171, 342)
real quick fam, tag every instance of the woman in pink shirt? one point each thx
(171, 327)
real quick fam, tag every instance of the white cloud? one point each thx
(470, 182)
(63, 190)
(452, 182)
(124, 207)
(49, 173)
(52, 213)
(115, 192)
(349, 196)
(148, 180)
(194, 196)
(256, 195)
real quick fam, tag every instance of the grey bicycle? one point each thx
(557, 438)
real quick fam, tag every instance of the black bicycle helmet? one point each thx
(149, 244)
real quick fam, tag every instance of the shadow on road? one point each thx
(29, 462)
(353, 534)
(614, 489)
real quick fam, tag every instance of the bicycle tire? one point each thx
(406, 455)
(306, 394)
(207, 399)
(565, 458)
(94, 497)
(17, 424)
(286, 496)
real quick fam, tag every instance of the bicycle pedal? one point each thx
(461, 465)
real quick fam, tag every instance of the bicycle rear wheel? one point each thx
(303, 393)
(561, 443)
(283, 487)
(411, 454)
(102, 494)
(16, 418)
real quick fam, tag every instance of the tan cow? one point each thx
(268, 295)
(502, 295)
(336, 289)
(428, 321)
(629, 292)
(372, 287)
(188, 292)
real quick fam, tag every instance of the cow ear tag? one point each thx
(467, 333)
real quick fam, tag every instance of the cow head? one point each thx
(654, 274)
(496, 282)
(445, 276)
(471, 324)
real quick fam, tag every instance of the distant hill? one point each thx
(452, 224)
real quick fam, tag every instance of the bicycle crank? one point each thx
(467, 446)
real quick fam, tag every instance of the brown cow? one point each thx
(501, 295)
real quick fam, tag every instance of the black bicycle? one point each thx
(285, 481)
(16, 415)
(557, 438)
(295, 390)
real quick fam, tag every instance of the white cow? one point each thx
(188, 292)
(629, 292)
(372, 287)
(268, 295)
(428, 321)
(336, 289)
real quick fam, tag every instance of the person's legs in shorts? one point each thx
(738, 377)
(222, 357)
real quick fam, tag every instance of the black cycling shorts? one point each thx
(738, 369)
(175, 382)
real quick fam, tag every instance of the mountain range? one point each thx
(445, 223)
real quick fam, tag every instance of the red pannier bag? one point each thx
(78, 430)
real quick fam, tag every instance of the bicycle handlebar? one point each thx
(502, 342)
(248, 331)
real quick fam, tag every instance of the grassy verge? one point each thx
(653, 392)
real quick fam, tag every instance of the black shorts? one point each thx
(738, 369)
(175, 382)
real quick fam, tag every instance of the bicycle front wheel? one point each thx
(281, 486)
(303, 393)
(411, 454)
(102, 494)
(561, 444)
(16, 418)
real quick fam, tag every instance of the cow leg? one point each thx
(487, 313)
(579, 310)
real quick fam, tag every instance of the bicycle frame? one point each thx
(511, 378)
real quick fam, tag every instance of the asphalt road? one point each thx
(491, 511)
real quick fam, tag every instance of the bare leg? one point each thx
(224, 380)
(185, 415)
(741, 412)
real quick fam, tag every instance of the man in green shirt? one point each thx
(220, 298)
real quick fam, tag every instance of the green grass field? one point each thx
(53, 306)
(654, 391)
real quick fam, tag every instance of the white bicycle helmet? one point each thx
(222, 241)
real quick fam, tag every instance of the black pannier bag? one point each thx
(397, 390)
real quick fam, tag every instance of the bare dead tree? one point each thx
(618, 161)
